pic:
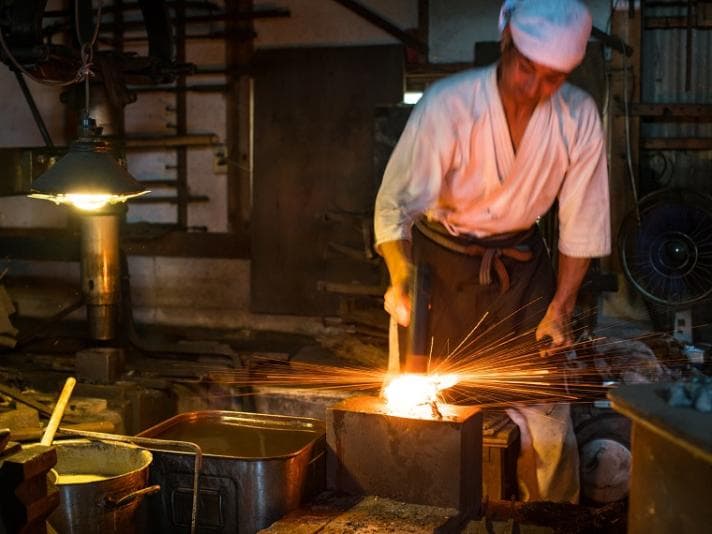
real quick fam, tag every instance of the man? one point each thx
(486, 153)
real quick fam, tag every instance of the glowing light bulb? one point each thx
(86, 201)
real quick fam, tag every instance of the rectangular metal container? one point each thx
(256, 468)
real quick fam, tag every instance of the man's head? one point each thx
(542, 42)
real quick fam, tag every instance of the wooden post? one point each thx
(625, 81)
(239, 50)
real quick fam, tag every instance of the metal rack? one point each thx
(232, 23)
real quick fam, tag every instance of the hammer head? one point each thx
(416, 360)
(416, 363)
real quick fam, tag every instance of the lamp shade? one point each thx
(87, 172)
(88, 176)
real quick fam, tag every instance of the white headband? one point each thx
(553, 33)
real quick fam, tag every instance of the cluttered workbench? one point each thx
(322, 509)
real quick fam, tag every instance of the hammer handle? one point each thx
(393, 347)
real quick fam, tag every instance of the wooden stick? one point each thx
(58, 412)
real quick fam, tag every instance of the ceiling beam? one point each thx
(385, 25)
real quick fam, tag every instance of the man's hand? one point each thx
(397, 298)
(555, 327)
(397, 302)
(556, 324)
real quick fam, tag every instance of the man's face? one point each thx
(525, 81)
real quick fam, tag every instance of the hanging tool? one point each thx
(416, 356)
(417, 353)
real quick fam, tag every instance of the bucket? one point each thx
(605, 458)
(100, 485)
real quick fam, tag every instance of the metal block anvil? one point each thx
(436, 462)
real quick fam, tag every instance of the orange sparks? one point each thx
(416, 395)
(491, 372)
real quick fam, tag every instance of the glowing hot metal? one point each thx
(416, 395)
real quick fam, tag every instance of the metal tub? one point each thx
(256, 468)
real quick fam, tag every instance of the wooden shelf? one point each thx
(153, 141)
(676, 143)
(668, 111)
(675, 23)
(167, 200)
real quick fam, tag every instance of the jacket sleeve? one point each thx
(584, 207)
(412, 179)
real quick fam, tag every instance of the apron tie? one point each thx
(491, 256)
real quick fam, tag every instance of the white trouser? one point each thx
(548, 463)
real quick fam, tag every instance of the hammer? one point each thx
(417, 354)
(416, 357)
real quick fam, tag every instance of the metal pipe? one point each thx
(241, 35)
(117, 109)
(131, 25)
(387, 26)
(688, 49)
(31, 402)
(61, 314)
(130, 6)
(33, 108)
(616, 43)
(171, 200)
(204, 88)
(181, 118)
(171, 141)
(100, 269)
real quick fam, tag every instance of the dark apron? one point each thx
(462, 292)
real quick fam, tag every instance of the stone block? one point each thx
(435, 462)
(102, 365)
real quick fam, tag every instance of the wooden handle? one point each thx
(393, 349)
(58, 412)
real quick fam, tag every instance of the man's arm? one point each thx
(557, 321)
(397, 255)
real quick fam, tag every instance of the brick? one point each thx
(435, 462)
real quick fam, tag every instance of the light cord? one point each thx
(87, 52)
